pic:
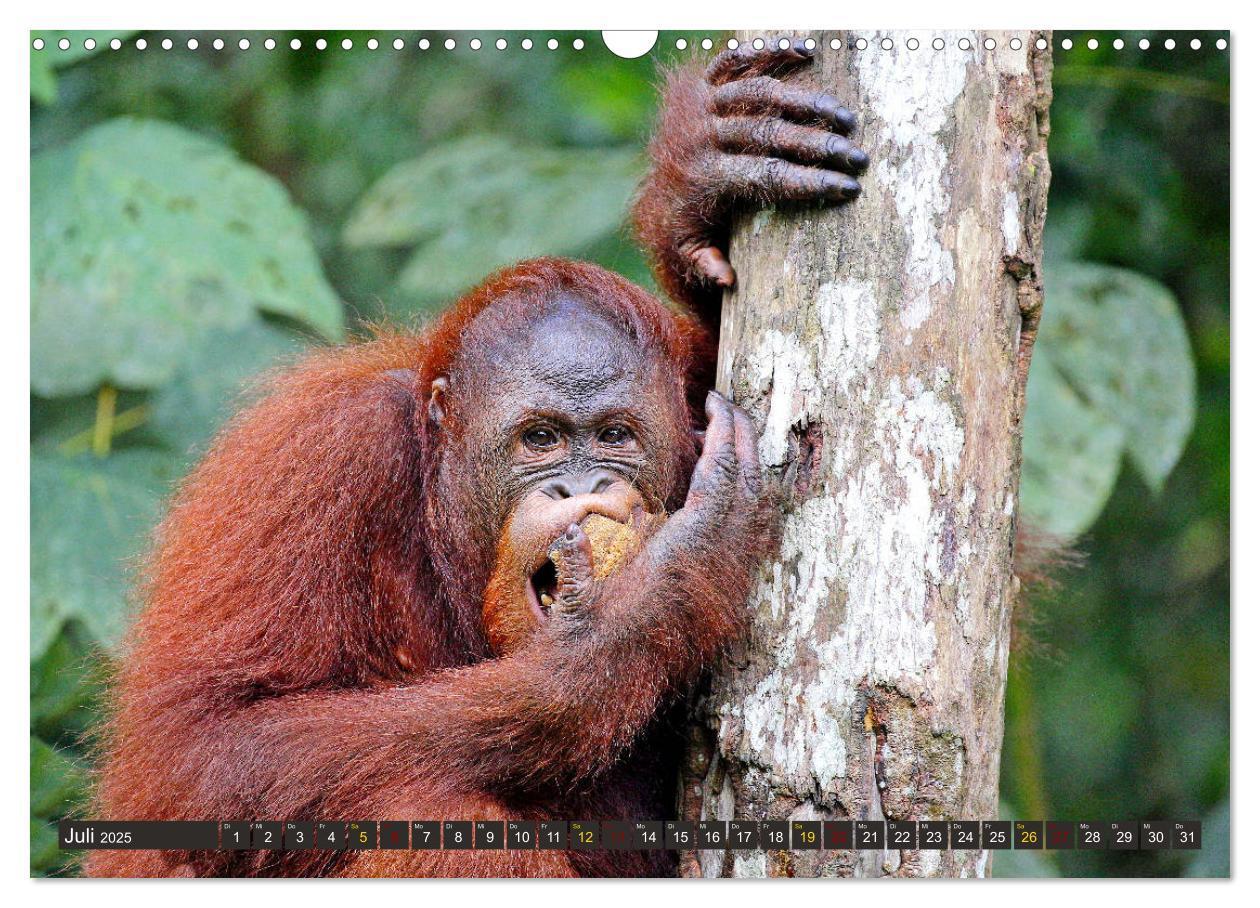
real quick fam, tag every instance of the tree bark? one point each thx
(883, 348)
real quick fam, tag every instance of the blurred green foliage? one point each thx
(143, 237)
(1118, 706)
(201, 216)
(1113, 377)
(462, 207)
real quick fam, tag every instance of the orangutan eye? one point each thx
(541, 438)
(615, 436)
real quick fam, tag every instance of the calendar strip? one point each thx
(633, 835)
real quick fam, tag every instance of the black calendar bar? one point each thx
(138, 835)
(632, 835)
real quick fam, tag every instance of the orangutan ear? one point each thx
(437, 399)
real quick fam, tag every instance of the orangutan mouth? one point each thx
(542, 587)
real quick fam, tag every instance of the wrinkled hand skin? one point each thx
(575, 569)
(726, 525)
(733, 136)
(728, 505)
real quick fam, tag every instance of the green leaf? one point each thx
(65, 681)
(143, 236)
(1112, 375)
(43, 79)
(57, 782)
(1071, 454)
(1119, 339)
(45, 63)
(478, 203)
(192, 407)
(91, 520)
(58, 786)
(46, 855)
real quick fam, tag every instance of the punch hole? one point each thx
(1170, 44)
(38, 44)
(1016, 44)
(115, 44)
(347, 44)
(810, 44)
(1066, 44)
(270, 44)
(578, 44)
(912, 43)
(835, 43)
(1221, 44)
(938, 44)
(320, 44)
(1042, 44)
(784, 44)
(475, 44)
(758, 44)
(90, 43)
(141, 44)
(681, 44)
(731, 44)
(423, 44)
(626, 44)
(707, 44)
(243, 44)
(1118, 44)
(1195, 43)
(990, 44)
(1092, 44)
(526, 44)
(399, 44)
(449, 43)
(295, 44)
(886, 44)
(1144, 43)
(373, 44)
(501, 44)
(64, 44)
(860, 44)
(965, 44)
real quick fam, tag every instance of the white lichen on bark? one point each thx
(879, 347)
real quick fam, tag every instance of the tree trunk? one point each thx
(883, 348)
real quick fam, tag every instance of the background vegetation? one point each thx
(197, 216)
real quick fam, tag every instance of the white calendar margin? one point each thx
(665, 15)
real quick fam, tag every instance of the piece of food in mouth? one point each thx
(612, 543)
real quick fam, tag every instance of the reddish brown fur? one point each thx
(313, 647)
(313, 644)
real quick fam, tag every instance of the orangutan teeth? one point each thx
(547, 601)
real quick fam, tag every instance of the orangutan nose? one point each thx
(592, 482)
